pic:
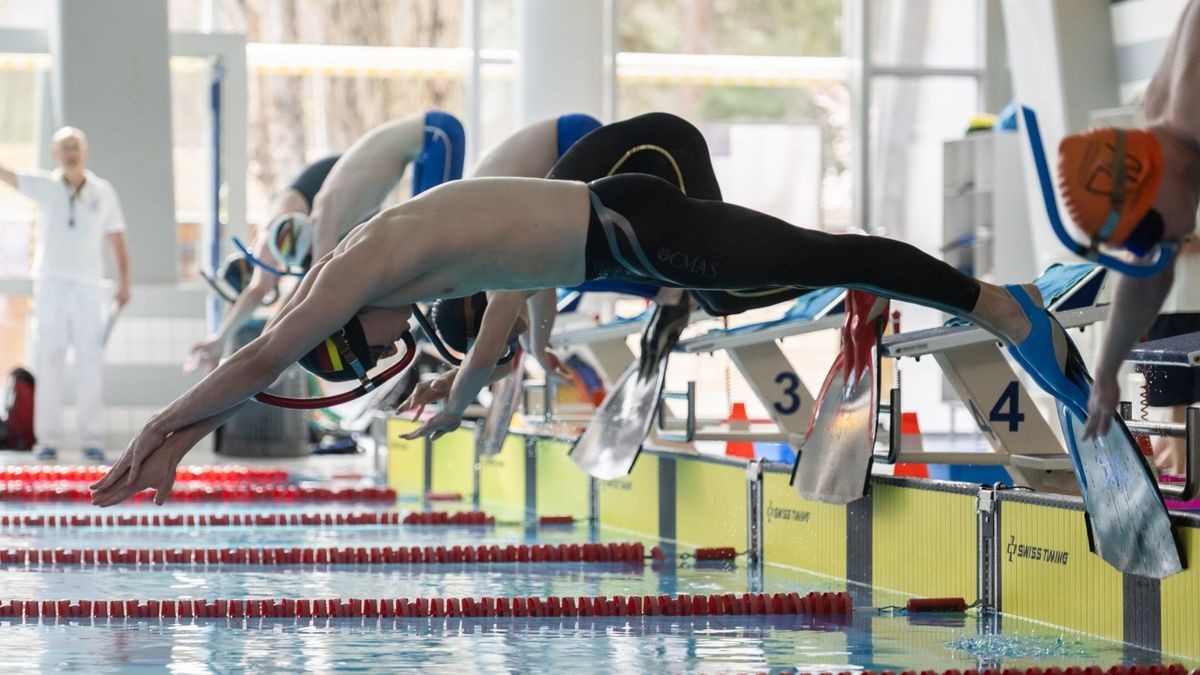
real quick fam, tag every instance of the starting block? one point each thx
(753, 349)
(971, 358)
(610, 444)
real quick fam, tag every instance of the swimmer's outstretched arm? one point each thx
(436, 389)
(341, 286)
(363, 177)
(1173, 115)
(1135, 304)
(206, 353)
(478, 365)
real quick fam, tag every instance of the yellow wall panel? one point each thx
(1181, 601)
(406, 460)
(1048, 574)
(502, 479)
(800, 533)
(710, 504)
(924, 542)
(631, 503)
(562, 487)
(453, 460)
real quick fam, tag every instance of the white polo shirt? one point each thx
(72, 229)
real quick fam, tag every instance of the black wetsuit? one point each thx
(670, 148)
(643, 228)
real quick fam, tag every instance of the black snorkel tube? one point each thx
(444, 351)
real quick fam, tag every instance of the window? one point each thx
(765, 80)
(24, 13)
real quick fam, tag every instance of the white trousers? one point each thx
(68, 313)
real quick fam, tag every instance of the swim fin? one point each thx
(834, 462)
(610, 444)
(494, 426)
(1128, 522)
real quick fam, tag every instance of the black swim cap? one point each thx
(343, 356)
(457, 320)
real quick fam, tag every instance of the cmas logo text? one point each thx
(1036, 553)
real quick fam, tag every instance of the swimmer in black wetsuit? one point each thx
(520, 235)
(653, 144)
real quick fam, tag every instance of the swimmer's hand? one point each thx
(149, 462)
(554, 366)
(428, 391)
(205, 355)
(1101, 405)
(442, 423)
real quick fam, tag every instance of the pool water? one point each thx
(626, 645)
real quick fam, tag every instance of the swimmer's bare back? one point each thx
(479, 234)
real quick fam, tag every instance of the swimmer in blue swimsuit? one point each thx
(329, 198)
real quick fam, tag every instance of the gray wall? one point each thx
(111, 79)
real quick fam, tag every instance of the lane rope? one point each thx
(623, 552)
(817, 605)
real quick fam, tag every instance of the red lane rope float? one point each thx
(1155, 669)
(258, 519)
(231, 493)
(202, 520)
(443, 497)
(447, 518)
(920, 605)
(403, 555)
(184, 474)
(835, 606)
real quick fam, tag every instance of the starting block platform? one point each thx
(1178, 350)
(972, 360)
(753, 349)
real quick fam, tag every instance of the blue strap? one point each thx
(443, 152)
(641, 290)
(573, 127)
(806, 308)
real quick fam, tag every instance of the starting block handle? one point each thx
(548, 391)
(1190, 432)
(689, 429)
(894, 409)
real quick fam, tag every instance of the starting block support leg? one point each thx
(775, 383)
(1005, 413)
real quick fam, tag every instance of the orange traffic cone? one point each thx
(739, 421)
(910, 441)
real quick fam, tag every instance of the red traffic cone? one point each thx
(739, 421)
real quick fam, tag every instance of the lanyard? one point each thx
(71, 202)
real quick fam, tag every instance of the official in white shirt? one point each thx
(79, 211)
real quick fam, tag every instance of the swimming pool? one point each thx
(869, 640)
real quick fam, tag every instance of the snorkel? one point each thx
(1160, 253)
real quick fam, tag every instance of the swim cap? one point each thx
(291, 240)
(1109, 178)
(457, 320)
(236, 272)
(343, 356)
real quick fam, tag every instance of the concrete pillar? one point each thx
(111, 79)
(1063, 66)
(560, 61)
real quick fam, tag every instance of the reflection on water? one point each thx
(623, 645)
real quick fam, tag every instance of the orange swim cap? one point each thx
(1109, 178)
